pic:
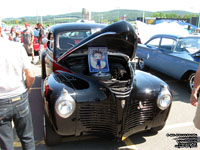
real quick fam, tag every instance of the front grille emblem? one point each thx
(123, 102)
(140, 105)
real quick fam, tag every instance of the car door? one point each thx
(149, 52)
(167, 62)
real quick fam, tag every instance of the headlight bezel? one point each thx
(65, 100)
(164, 98)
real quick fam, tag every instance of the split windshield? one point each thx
(68, 39)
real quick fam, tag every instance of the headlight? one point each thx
(65, 105)
(164, 98)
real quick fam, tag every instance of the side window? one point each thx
(50, 43)
(154, 43)
(167, 44)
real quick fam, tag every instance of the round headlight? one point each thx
(65, 105)
(164, 98)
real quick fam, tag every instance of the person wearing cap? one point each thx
(16, 78)
(28, 37)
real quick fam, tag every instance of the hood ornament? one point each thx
(141, 106)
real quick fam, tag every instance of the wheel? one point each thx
(191, 81)
(141, 65)
(50, 136)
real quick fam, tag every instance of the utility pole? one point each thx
(41, 19)
(143, 15)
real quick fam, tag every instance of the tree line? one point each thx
(101, 17)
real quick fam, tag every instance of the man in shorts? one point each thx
(28, 37)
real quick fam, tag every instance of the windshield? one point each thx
(190, 44)
(68, 39)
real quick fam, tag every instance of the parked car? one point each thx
(89, 87)
(176, 56)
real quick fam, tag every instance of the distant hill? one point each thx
(109, 16)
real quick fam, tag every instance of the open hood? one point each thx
(119, 37)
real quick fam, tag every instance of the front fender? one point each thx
(146, 83)
(51, 92)
(43, 66)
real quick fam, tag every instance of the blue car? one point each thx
(176, 56)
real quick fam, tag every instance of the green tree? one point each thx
(116, 19)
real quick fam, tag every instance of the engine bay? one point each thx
(118, 67)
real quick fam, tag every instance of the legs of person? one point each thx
(6, 135)
(23, 124)
(6, 131)
(197, 116)
(29, 50)
(32, 52)
(41, 48)
(26, 48)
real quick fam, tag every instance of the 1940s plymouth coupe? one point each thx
(91, 87)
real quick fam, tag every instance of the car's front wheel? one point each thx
(50, 136)
(141, 65)
(191, 81)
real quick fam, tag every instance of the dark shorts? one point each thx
(29, 48)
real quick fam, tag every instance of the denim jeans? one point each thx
(16, 109)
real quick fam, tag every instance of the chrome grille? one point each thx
(136, 116)
(99, 116)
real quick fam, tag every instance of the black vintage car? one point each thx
(91, 87)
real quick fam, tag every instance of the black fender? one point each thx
(43, 66)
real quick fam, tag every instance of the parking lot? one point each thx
(179, 122)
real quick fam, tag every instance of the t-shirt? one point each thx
(13, 62)
(27, 36)
(40, 35)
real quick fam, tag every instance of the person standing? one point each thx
(28, 38)
(194, 97)
(16, 78)
(12, 34)
(1, 32)
(17, 38)
(41, 36)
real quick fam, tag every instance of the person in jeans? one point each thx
(16, 78)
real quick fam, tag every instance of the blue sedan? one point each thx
(176, 56)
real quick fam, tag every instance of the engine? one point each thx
(118, 68)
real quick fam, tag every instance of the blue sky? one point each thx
(20, 8)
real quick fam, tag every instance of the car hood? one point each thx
(196, 54)
(120, 37)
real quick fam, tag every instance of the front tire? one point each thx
(141, 65)
(50, 136)
(191, 81)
